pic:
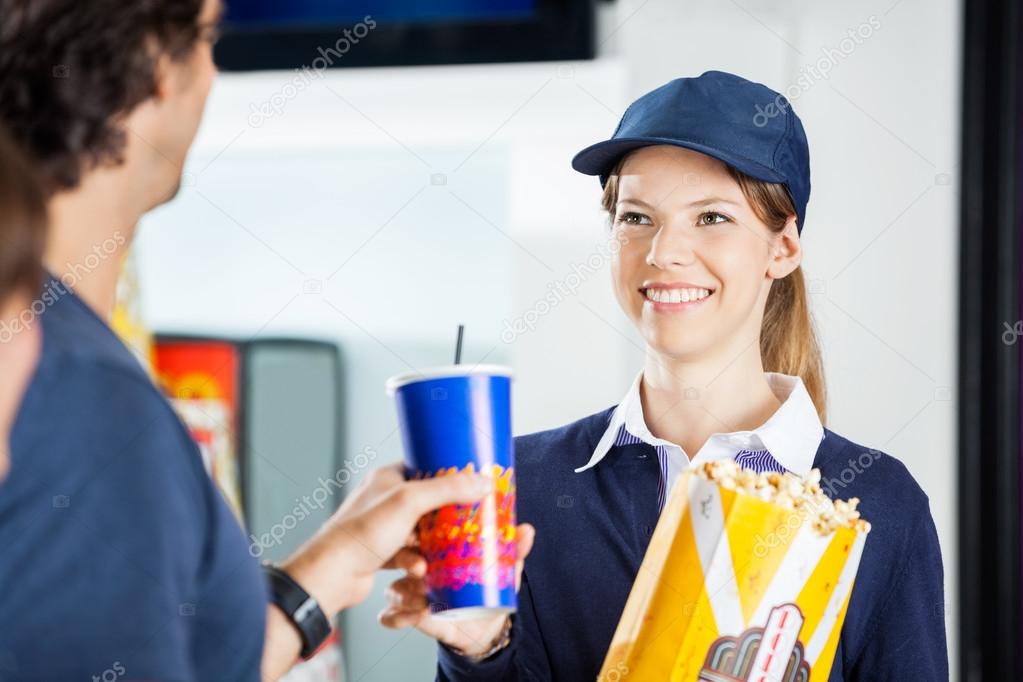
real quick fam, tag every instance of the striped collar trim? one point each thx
(789, 438)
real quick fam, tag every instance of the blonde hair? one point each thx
(788, 340)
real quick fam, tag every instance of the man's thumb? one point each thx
(426, 495)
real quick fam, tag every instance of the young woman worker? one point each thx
(706, 182)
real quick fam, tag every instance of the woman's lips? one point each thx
(673, 298)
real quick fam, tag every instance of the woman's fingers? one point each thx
(468, 635)
(525, 534)
(395, 619)
(407, 604)
(408, 559)
(408, 607)
(407, 594)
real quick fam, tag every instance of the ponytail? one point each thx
(788, 340)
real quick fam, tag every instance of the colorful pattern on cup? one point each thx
(455, 543)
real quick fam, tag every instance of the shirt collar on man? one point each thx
(791, 435)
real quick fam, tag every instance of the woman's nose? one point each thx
(670, 247)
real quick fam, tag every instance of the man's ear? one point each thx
(786, 251)
(162, 74)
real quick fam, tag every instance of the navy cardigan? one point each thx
(593, 527)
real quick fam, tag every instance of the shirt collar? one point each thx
(792, 434)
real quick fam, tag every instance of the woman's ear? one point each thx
(786, 251)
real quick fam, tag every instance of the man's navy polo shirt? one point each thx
(593, 527)
(119, 559)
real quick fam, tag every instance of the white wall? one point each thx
(383, 207)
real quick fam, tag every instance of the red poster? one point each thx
(200, 378)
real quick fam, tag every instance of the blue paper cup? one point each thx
(455, 419)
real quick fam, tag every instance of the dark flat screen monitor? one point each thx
(270, 34)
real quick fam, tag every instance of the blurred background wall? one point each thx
(379, 208)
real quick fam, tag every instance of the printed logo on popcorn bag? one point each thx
(769, 654)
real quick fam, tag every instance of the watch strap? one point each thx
(300, 608)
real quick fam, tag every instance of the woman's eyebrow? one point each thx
(700, 202)
(714, 200)
(638, 202)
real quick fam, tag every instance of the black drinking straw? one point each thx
(458, 345)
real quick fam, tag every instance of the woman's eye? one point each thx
(713, 216)
(630, 218)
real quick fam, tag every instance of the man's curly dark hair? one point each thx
(70, 69)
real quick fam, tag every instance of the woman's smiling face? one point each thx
(695, 264)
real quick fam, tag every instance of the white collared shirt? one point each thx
(788, 440)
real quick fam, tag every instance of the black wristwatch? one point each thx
(299, 607)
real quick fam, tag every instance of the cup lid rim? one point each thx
(399, 380)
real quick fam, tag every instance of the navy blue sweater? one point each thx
(593, 528)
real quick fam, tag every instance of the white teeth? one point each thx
(676, 295)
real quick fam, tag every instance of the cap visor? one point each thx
(600, 158)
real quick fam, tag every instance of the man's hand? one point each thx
(375, 521)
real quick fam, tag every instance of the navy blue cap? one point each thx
(744, 124)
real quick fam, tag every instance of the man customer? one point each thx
(119, 554)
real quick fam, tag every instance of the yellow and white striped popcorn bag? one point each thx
(747, 577)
